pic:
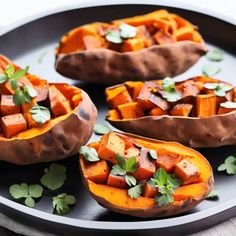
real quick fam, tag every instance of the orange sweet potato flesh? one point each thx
(185, 197)
(8, 107)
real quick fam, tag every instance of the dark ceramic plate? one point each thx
(26, 44)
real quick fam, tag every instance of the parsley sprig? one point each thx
(23, 94)
(166, 184)
(170, 93)
(220, 89)
(89, 153)
(229, 165)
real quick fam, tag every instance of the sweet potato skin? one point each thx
(145, 207)
(110, 67)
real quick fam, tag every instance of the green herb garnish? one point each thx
(210, 70)
(229, 165)
(135, 191)
(54, 176)
(220, 89)
(215, 55)
(228, 104)
(61, 203)
(153, 154)
(125, 31)
(27, 192)
(166, 184)
(40, 114)
(168, 86)
(213, 195)
(89, 153)
(130, 180)
(101, 129)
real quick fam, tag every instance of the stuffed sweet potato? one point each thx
(40, 121)
(143, 177)
(198, 112)
(146, 47)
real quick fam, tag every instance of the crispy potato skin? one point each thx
(110, 67)
(155, 211)
(60, 141)
(214, 131)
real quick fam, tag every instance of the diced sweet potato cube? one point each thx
(130, 110)
(133, 44)
(234, 94)
(42, 94)
(134, 88)
(168, 161)
(187, 172)
(129, 143)
(13, 124)
(223, 110)
(8, 107)
(144, 34)
(163, 38)
(59, 104)
(5, 88)
(118, 96)
(149, 190)
(111, 145)
(114, 114)
(184, 33)
(30, 121)
(97, 171)
(181, 110)
(145, 166)
(28, 105)
(91, 42)
(206, 105)
(157, 111)
(116, 181)
(132, 152)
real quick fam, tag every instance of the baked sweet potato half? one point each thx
(144, 177)
(39, 121)
(198, 112)
(147, 47)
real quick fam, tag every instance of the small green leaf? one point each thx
(117, 170)
(210, 70)
(153, 154)
(229, 165)
(20, 73)
(14, 84)
(29, 201)
(213, 195)
(174, 181)
(61, 203)
(20, 98)
(9, 70)
(3, 78)
(135, 191)
(89, 153)
(130, 180)
(168, 85)
(121, 161)
(19, 190)
(161, 176)
(54, 176)
(215, 55)
(30, 91)
(101, 129)
(210, 85)
(35, 190)
(228, 104)
(131, 164)
(172, 96)
(40, 114)
(164, 199)
(127, 31)
(114, 37)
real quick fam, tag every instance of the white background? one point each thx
(13, 12)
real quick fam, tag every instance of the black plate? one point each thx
(25, 45)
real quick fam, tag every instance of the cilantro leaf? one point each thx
(213, 195)
(9, 70)
(153, 154)
(160, 176)
(168, 84)
(114, 36)
(61, 203)
(20, 98)
(215, 55)
(3, 78)
(164, 199)
(121, 161)
(40, 114)
(117, 170)
(127, 31)
(229, 165)
(89, 153)
(30, 91)
(101, 129)
(54, 176)
(26, 191)
(210, 70)
(130, 180)
(131, 164)
(135, 191)
(20, 73)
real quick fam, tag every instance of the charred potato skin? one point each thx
(60, 141)
(154, 211)
(110, 67)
